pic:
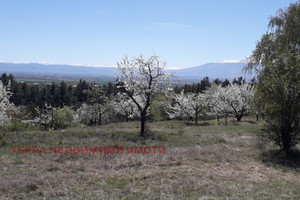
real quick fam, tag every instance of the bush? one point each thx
(16, 126)
(63, 118)
(158, 109)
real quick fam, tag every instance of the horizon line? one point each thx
(46, 63)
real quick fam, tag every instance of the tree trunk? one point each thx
(143, 121)
(100, 119)
(257, 117)
(286, 147)
(239, 117)
(196, 119)
(286, 141)
(226, 120)
(218, 118)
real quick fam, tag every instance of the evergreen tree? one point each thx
(63, 94)
(4, 78)
(217, 81)
(81, 96)
(25, 94)
(204, 84)
(34, 93)
(225, 83)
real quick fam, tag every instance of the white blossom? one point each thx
(5, 94)
(126, 107)
(231, 100)
(187, 106)
(91, 114)
(44, 116)
(140, 80)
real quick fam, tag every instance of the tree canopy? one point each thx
(276, 61)
(140, 79)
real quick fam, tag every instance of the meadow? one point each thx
(208, 161)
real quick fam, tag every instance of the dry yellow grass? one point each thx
(201, 162)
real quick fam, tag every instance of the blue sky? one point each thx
(184, 33)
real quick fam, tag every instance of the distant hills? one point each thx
(212, 70)
(192, 74)
(35, 70)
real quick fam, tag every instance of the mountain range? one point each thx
(51, 71)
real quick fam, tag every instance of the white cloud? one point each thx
(173, 68)
(54, 63)
(47, 63)
(88, 65)
(231, 61)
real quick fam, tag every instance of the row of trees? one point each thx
(141, 80)
(54, 94)
(234, 100)
(205, 83)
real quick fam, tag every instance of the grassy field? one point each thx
(46, 81)
(201, 162)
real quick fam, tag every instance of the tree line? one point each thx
(54, 94)
(61, 94)
(205, 83)
(133, 96)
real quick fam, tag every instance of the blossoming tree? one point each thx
(140, 79)
(126, 107)
(187, 106)
(232, 100)
(5, 94)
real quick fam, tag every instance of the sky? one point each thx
(184, 33)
